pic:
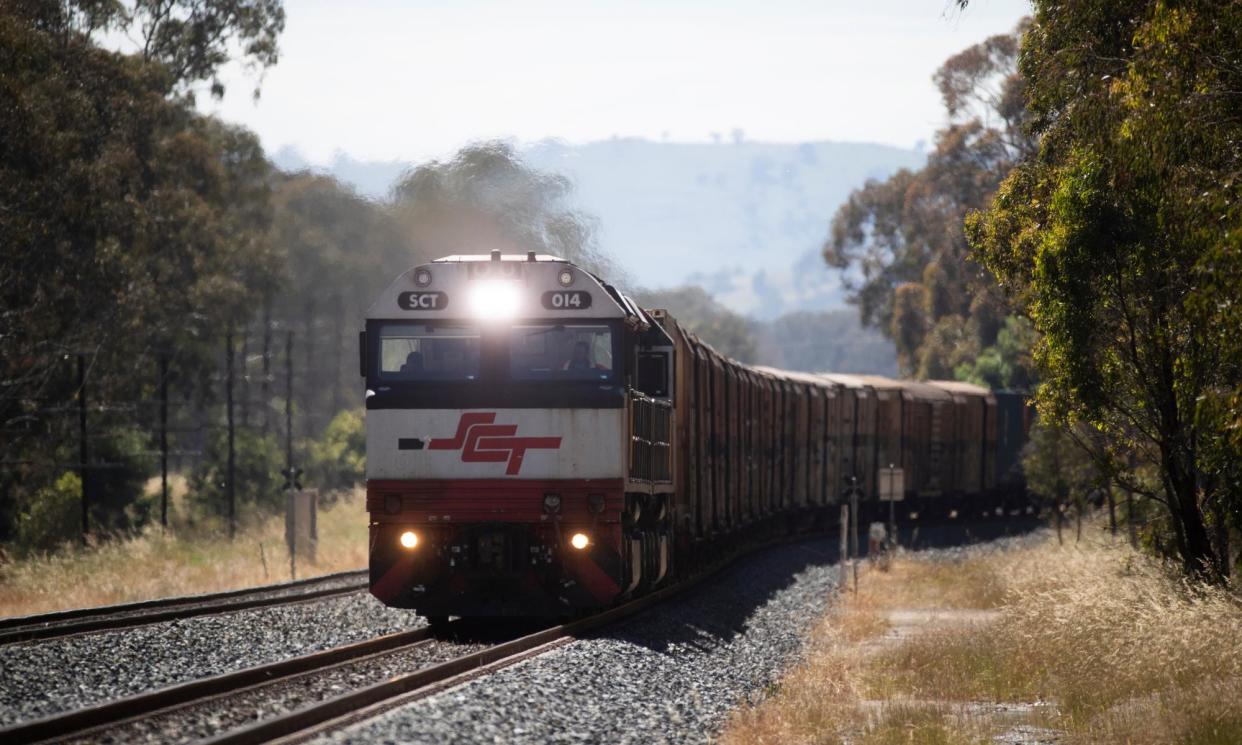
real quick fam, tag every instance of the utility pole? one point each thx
(164, 440)
(289, 406)
(311, 378)
(291, 474)
(245, 375)
(83, 449)
(339, 344)
(265, 388)
(231, 485)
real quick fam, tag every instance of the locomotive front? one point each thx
(497, 438)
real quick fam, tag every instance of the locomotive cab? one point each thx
(518, 427)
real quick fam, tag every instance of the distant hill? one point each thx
(744, 220)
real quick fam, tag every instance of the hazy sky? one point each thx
(408, 80)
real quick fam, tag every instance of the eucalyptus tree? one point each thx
(1122, 239)
(906, 262)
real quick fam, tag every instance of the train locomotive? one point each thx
(539, 445)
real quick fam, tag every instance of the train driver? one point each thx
(581, 359)
(413, 364)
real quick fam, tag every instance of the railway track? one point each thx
(126, 719)
(130, 718)
(367, 702)
(109, 721)
(67, 623)
(364, 703)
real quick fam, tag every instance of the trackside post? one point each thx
(83, 448)
(845, 546)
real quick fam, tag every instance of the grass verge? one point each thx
(1030, 642)
(180, 562)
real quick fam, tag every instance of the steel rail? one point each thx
(82, 620)
(88, 720)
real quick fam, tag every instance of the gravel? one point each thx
(41, 678)
(671, 675)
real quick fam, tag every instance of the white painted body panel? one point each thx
(592, 444)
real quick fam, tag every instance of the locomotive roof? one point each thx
(536, 257)
(548, 287)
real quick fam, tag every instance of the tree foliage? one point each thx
(338, 459)
(697, 311)
(900, 243)
(53, 516)
(486, 198)
(130, 227)
(1122, 239)
(1059, 472)
(189, 40)
(828, 341)
(258, 460)
(339, 252)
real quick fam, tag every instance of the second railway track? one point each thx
(147, 715)
(78, 621)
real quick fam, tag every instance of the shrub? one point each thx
(259, 460)
(117, 489)
(338, 459)
(52, 517)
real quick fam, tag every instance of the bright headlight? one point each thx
(495, 299)
(579, 541)
(409, 539)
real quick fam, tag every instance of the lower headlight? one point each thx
(579, 541)
(409, 539)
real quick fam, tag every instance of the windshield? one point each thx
(426, 352)
(561, 352)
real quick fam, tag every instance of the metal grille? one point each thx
(651, 426)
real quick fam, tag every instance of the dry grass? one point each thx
(180, 562)
(1088, 643)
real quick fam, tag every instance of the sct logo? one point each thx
(482, 441)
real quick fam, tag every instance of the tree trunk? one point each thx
(1112, 510)
(1198, 558)
(1222, 541)
(1131, 525)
